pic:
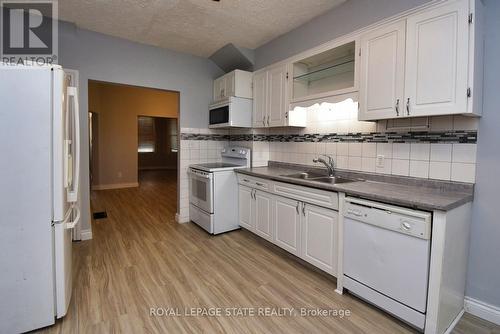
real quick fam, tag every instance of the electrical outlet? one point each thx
(380, 161)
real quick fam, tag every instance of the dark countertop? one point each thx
(418, 194)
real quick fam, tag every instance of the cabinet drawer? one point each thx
(253, 182)
(319, 197)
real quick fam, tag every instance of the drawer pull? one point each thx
(259, 184)
(246, 180)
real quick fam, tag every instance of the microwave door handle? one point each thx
(73, 193)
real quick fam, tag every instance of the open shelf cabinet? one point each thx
(330, 72)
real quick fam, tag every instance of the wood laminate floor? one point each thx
(140, 258)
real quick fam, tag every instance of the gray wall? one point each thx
(484, 257)
(346, 18)
(105, 58)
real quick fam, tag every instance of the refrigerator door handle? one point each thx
(72, 224)
(73, 193)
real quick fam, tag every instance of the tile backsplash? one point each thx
(446, 162)
(442, 147)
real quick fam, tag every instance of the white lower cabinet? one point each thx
(245, 211)
(304, 230)
(263, 215)
(255, 211)
(319, 237)
(287, 224)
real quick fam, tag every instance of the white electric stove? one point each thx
(213, 191)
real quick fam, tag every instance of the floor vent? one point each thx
(100, 215)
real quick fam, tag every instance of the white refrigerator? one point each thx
(39, 178)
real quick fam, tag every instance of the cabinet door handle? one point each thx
(397, 107)
(253, 194)
(304, 209)
(264, 120)
(268, 120)
(408, 106)
(286, 114)
(297, 208)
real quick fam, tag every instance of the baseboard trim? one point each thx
(482, 310)
(181, 220)
(86, 234)
(454, 322)
(115, 186)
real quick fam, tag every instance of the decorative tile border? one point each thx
(199, 136)
(383, 137)
(466, 137)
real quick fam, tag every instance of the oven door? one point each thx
(219, 117)
(201, 189)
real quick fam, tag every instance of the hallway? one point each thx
(140, 258)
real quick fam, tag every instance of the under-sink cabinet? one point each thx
(287, 216)
(319, 237)
(294, 222)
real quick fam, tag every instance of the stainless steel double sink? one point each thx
(318, 177)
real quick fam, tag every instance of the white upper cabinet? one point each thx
(271, 102)
(278, 107)
(437, 71)
(381, 92)
(437, 52)
(230, 85)
(219, 88)
(236, 83)
(260, 99)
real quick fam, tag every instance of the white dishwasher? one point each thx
(386, 257)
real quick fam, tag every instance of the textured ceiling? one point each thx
(198, 27)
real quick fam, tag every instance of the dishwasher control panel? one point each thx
(403, 220)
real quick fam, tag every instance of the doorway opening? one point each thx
(157, 148)
(133, 134)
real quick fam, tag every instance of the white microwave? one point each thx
(231, 112)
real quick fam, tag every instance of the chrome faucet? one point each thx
(330, 165)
